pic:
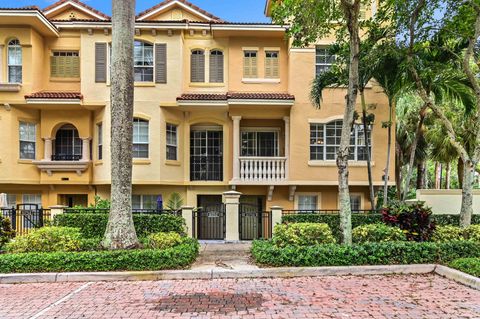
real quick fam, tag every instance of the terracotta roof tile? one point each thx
(191, 5)
(202, 97)
(234, 96)
(54, 95)
(79, 3)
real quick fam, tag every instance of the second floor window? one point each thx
(259, 144)
(27, 140)
(216, 66)
(65, 64)
(323, 59)
(100, 141)
(271, 65)
(325, 141)
(14, 61)
(197, 66)
(250, 64)
(171, 142)
(143, 61)
(140, 138)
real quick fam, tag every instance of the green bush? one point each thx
(302, 234)
(468, 265)
(47, 239)
(447, 233)
(94, 225)
(472, 233)
(177, 257)
(6, 231)
(163, 240)
(453, 219)
(377, 233)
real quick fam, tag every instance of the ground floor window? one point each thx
(144, 201)
(35, 199)
(356, 202)
(307, 202)
(11, 200)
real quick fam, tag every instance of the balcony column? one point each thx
(236, 147)
(287, 145)
(47, 153)
(86, 149)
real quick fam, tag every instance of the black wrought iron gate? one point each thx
(209, 222)
(253, 222)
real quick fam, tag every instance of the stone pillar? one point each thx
(86, 149)
(276, 212)
(287, 145)
(56, 210)
(187, 214)
(232, 202)
(236, 147)
(47, 153)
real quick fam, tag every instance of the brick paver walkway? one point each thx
(412, 296)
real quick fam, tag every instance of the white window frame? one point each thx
(142, 200)
(245, 51)
(100, 141)
(29, 125)
(18, 50)
(277, 52)
(139, 120)
(299, 194)
(325, 65)
(144, 61)
(256, 130)
(174, 145)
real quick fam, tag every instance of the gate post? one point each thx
(276, 215)
(231, 199)
(187, 214)
(56, 210)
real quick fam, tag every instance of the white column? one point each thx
(2, 47)
(287, 145)
(187, 214)
(276, 212)
(86, 149)
(232, 201)
(56, 210)
(47, 153)
(236, 147)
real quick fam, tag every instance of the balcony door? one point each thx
(68, 145)
(259, 143)
(206, 154)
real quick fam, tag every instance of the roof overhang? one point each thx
(260, 102)
(31, 17)
(53, 101)
(76, 5)
(171, 4)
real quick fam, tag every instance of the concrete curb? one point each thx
(458, 276)
(211, 274)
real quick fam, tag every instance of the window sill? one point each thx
(173, 163)
(206, 84)
(139, 161)
(64, 79)
(144, 84)
(260, 81)
(10, 87)
(334, 163)
(25, 161)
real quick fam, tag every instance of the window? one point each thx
(206, 154)
(356, 202)
(271, 64)
(14, 61)
(140, 138)
(11, 200)
(27, 132)
(307, 202)
(362, 15)
(323, 59)
(259, 144)
(325, 141)
(68, 145)
(65, 64)
(216, 66)
(35, 199)
(250, 64)
(100, 141)
(197, 66)
(171, 142)
(144, 202)
(143, 61)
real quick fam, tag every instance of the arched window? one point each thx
(68, 145)
(143, 61)
(14, 61)
(197, 66)
(140, 138)
(216, 66)
(325, 141)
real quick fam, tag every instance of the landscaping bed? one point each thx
(470, 266)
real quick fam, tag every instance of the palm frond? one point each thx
(335, 76)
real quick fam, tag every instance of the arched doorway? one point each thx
(68, 145)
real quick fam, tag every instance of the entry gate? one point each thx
(25, 217)
(253, 222)
(209, 222)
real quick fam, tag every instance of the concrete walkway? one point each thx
(219, 255)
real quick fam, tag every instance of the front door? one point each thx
(206, 155)
(210, 217)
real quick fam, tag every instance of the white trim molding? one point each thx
(77, 6)
(260, 81)
(168, 5)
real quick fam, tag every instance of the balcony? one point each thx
(263, 169)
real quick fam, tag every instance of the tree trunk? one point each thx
(351, 11)
(466, 210)
(460, 172)
(389, 146)
(421, 175)
(120, 232)
(448, 173)
(438, 172)
(367, 146)
(398, 170)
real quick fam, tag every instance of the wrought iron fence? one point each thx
(209, 222)
(26, 217)
(328, 211)
(255, 225)
(92, 210)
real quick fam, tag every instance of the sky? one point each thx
(229, 10)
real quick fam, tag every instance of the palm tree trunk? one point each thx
(398, 170)
(367, 146)
(438, 172)
(460, 173)
(120, 232)
(448, 173)
(421, 174)
(466, 210)
(389, 146)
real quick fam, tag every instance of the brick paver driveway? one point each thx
(412, 296)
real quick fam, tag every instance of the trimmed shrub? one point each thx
(94, 225)
(302, 234)
(377, 233)
(467, 265)
(47, 239)
(6, 231)
(178, 257)
(267, 253)
(414, 220)
(472, 233)
(163, 240)
(447, 233)
(453, 219)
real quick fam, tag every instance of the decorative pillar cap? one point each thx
(57, 207)
(187, 207)
(276, 207)
(232, 193)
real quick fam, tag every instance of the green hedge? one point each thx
(94, 225)
(266, 253)
(468, 265)
(177, 257)
(453, 219)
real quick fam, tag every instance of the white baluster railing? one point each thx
(261, 169)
